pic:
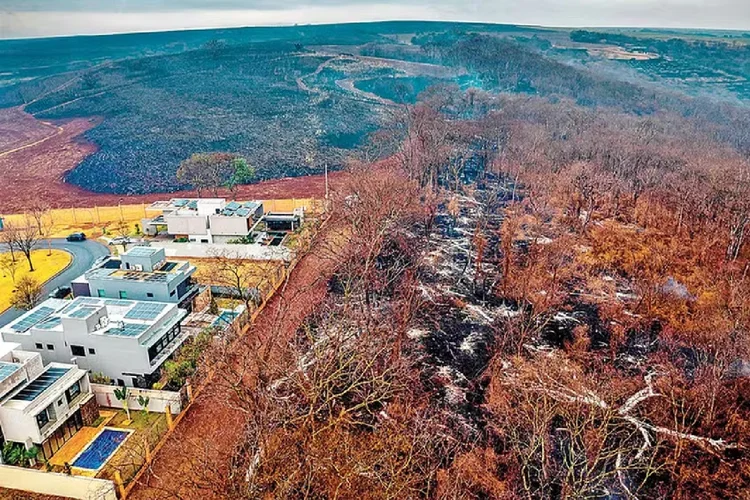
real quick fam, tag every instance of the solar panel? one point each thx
(180, 203)
(232, 206)
(49, 324)
(118, 303)
(128, 330)
(82, 312)
(243, 212)
(32, 319)
(40, 384)
(251, 204)
(142, 251)
(193, 205)
(145, 311)
(7, 369)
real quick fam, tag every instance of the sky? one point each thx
(36, 18)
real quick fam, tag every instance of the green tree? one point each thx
(17, 454)
(243, 173)
(121, 393)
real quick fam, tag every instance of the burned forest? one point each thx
(527, 298)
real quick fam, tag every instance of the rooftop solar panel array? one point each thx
(128, 330)
(7, 369)
(118, 303)
(243, 212)
(142, 251)
(33, 389)
(36, 316)
(145, 311)
(50, 323)
(232, 206)
(83, 312)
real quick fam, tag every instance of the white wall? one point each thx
(49, 483)
(158, 402)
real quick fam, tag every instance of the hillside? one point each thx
(291, 99)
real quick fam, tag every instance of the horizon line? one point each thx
(381, 21)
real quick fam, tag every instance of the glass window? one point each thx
(42, 419)
(73, 391)
(92, 350)
(50, 347)
(78, 350)
(123, 294)
(101, 293)
(39, 346)
(149, 294)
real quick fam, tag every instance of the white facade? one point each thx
(142, 273)
(37, 401)
(125, 340)
(207, 220)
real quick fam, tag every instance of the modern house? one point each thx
(204, 220)
(141, 273)
(42, 406)
(125, 340)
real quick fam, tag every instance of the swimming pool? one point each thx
(225, 318)
(98, 451)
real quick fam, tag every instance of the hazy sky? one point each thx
(26, 18)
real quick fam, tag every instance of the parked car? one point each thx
(76, 237)
(120, 240)
(60, 293)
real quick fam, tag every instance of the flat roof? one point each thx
(126, 318)
(141, 252)
(8, 369)
(41, 383)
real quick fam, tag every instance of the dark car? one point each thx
(76, 237)
(60, 293)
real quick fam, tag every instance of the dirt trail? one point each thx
(210, 420)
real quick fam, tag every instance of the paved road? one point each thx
(84, 254)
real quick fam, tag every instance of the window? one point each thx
(78, 350)
(73, 391)
(39, 346)
(171, 294)
(42, 419)
(149, 294)
(123, 294)
(120, 382)
(92, 350)
(101, 293)
(59, 403)
(50, 347)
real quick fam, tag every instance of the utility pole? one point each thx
(325, 165)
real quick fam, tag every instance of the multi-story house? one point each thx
(125, 340)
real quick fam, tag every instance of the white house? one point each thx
(141, 273)
(205, 220)
(125, 340)
(42, 406)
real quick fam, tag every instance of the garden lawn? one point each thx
(46, 265)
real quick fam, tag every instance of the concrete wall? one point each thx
(188, 224)
(49, 483)
(230, 226)
(158, 400)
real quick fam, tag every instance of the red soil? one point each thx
(211, 426)
(35, 156)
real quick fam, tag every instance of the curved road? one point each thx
(84, 253)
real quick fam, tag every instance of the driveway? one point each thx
(84, 254)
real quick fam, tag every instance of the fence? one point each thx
(241, 325)
(62, 485)
(158, 400)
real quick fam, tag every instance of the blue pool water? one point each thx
(100, 449)
(225, 318)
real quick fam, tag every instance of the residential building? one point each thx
(205, 220)
(42, 406)
(125, 340)
(141, 273)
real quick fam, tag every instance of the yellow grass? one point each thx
(45, 267)
(96, 220)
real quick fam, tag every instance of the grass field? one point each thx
(46, 266)
(101, 221)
